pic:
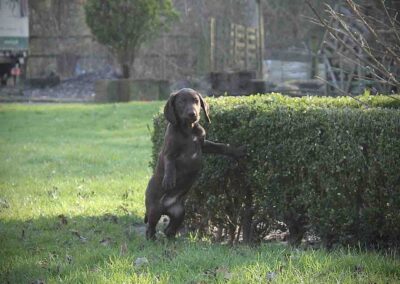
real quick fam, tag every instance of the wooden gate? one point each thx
(232, 46)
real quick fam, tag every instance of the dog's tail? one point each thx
(145, 218)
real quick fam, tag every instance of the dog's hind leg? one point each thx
(176, 213)
(152, 218)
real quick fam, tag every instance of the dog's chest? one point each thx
(190, 157)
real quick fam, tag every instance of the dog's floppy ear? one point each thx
(205, 107)
(169, 109)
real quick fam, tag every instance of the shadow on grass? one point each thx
(106, 248)
(53, 247)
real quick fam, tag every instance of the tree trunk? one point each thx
(247, 221)
(126, 70)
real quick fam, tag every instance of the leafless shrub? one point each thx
(364, 42)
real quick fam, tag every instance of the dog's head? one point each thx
(183, 107)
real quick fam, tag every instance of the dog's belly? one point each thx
(184, 181)
(188, 163)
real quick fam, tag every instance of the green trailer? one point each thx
(14, 38)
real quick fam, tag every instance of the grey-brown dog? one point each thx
(179, 161)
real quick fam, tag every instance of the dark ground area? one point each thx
(76, 89)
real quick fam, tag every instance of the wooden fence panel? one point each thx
(232, 46)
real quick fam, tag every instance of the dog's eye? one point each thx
(196, 100)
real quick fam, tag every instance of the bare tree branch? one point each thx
(361, 41)
(344, 93)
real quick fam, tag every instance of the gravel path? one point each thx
(79, 88)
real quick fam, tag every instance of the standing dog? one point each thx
(179, 161)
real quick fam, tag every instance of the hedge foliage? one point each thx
(328, 166)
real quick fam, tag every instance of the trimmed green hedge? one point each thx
(328, 166)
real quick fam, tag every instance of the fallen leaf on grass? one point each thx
(123, 249)
(53, 193)
(63, 219)
(124, 209)
(169, 254)
(224, 272)
(141, 261)
(44, 263)
(81, 238)
(210, 272)
(85, 193)
(220, 271)
(53, 256)
(106, 241)
(125, 195)
(4, 204)
(271, 276)
(68, 258)
(358, 269)
(111, 218)
(95, 269)
(141, 247)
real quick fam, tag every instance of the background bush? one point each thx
(329, 166)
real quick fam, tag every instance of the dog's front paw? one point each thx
(240, 152)
(168, 182)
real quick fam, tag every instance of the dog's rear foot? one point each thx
(151, 234)
(170, 233)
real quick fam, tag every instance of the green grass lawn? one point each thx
(72, 181)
